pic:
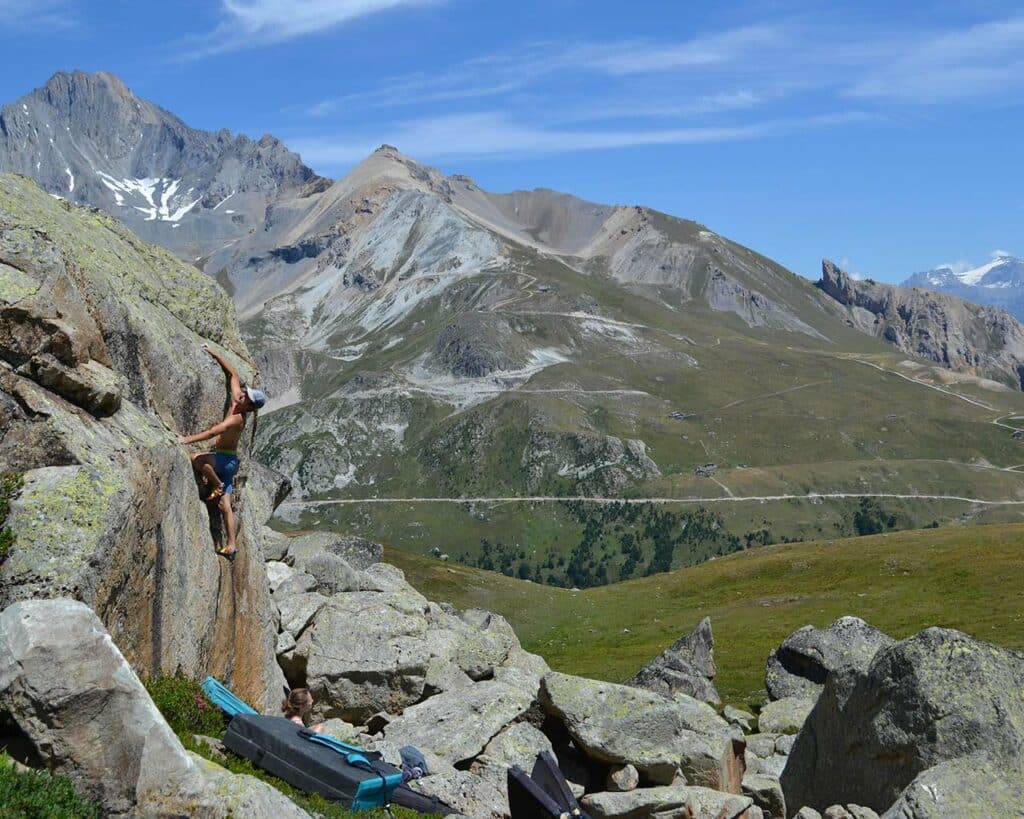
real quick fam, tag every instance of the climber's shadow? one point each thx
(212, 512)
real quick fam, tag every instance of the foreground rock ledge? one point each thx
(84, 714)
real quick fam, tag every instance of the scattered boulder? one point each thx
(800, 666)
(785, 716)
(685, 667)
(357, 552)
(969, 786)
(738, 717)
(81, 712)
(766, 792)
(836, 812)
(622, 778)
(807, 813)
(465, 792)
(683, 801)
(660, 736)
(456, 725)
(933, 698)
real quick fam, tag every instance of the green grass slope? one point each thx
(963, 578)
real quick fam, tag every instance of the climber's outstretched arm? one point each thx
(228, 423)
(236, 384)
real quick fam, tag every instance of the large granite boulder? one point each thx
(685, 667)
(972, 787)
(682, 801)
(80, 711)
(785, 716)
(359, 652)
(100, 364)
(456, 725)
(660, 736)
(800, 666)
(357, 552)
(933, 698)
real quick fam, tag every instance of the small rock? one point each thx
(767, 794)
(622, 778)
(784, 744)
(785, 716)
(860, 812)
(215, 745)
(762, 744)
(807, 813)
(837, 812)
(737, 716)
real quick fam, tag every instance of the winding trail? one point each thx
(810, 496)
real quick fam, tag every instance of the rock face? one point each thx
(80, 710)
(109, 512)
(87, 138)
(800, 666)
(685, 667)
(962, 336)
(659, 736)
(932, 699)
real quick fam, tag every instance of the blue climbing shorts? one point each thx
(225, 464)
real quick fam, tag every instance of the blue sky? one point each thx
(884, 136)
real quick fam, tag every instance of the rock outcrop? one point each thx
(100, 363)
(959, 335)
(80, 710)
(800, 666)
(940, 698)
(685, 667)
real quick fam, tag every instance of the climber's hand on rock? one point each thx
(182, 439)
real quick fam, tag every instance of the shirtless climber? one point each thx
(218, 468)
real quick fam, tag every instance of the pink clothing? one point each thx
(297, 720)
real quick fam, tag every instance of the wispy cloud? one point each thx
(248, 23)
(982, 60)
(31, 15)
(497, 135)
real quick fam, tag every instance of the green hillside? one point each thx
(964, 578)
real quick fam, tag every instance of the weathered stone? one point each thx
(800, 666)
(296, 583)
(807, 813)
(518, 744)
(477, 641)
(860, 812)
(682, 801)
(359, 553)
(739, 717)
(339, 729)
(784, 744)
(456, 725)
(214, 745)
(622, 778)
(274, 545)
(836, 812)
(465, 792)
(767, 794)
(297, 611)
(762, 744)
(620, 724)
(935, 697)
(685, 667)
(83, 713)
(971, 787)
(364, 652)
(277, 573)
(784, 716)
(773, 765)
(110, 513)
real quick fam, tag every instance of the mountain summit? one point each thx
(88, 138)
(999, 283)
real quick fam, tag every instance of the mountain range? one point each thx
(423, 338)
(998, 283)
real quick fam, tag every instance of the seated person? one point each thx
(296, 705)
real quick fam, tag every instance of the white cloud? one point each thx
(24, 15)
(250, 23)
(497, 135)
(981, 60)
(999, 254)
(958, 267)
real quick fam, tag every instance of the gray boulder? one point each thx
(800, 666)
(807, 813)
(456, 725)
(971, 787)
(361, 653)
(357, 552)
(933, 698)
(666, 801)
(738, 717)
(660, 736)
(685, 667)
(83, 713)
(465, 792)
(767, 794)
(273, 545)
(784, 716)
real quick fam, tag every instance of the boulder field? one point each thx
(108, 572)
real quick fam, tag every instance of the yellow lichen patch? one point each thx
(15, 285)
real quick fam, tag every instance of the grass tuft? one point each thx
(35, 794)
